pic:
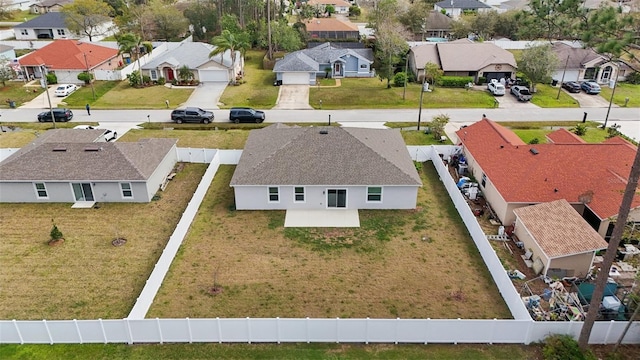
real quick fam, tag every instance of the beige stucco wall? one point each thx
(530, 244)
(576, 265)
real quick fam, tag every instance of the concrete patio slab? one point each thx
(322, 218)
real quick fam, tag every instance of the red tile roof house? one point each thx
(68, 58)
(512, 174)
(331, 29)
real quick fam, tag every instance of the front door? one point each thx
(170, 76)
(337, 69)
(82, 191)
(337, 198)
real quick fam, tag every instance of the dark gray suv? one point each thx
(191, 114)
(243, 114)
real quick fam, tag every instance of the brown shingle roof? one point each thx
(559, 230)
(282, 155)
(470, 56)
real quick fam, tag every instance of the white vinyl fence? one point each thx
(135, 329)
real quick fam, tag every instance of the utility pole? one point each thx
(421, 94)
(93, 91)
(613, 91)
(270, 51)
(46, 90)
(561, 81)
(406, 75)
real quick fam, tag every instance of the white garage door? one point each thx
(569, 75)
(292, 78)
(213, 75)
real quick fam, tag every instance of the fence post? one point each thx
(307, 329)
(219, 331)
(48, 332)
(159, 330)
(104, 334)
(278, 330)
(248, 330)
(78, 330)
(426, 331)
(606, 337)
(129, 330)
(15, 324)
(493, 330)
(189, 331)
(397, 326)
(366, 331)
(527, 335)
(337, 330)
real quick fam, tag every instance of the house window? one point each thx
(363, 66)
(126, 190)
(374, 194)
(484, 180)
(298, 193)
(274, 194)
(590, 73)
(24, 32)
(154, 74)
(41, 191)
(61, 32)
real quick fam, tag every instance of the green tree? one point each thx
(305, 12)
(134, 78)
(199, 14)
(538, 64)
(432, 73)
(170, 23)
(391, 44)
(437, 125)
(329, 9)
(553, 19)
(130, 43)
(87, 17)
(6, 73)
(354, 10)
(461, 28)
(185, 74)
(414, 18)
(507, 25)
(483, 24)
(137, 19)
(285, 37)
(233, 43)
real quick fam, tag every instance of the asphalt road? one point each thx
(628, 118)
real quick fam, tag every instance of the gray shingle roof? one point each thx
(192, 54)
(578, 57)
(470, 56)
(48, 21)
(310, 59)
(283, 155)
(45, 160)
(462, 4)
(296, 61)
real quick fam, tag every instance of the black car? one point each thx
(242, 114)
(60, 114)
(571, 86)
(192, 114)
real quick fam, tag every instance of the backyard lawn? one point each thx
(86, 277)
(410, 264)
(210, 139)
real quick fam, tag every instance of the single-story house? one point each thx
(303, 66)
(331, 29)
(45, 6)
(437, 25)
(76, 165)
(50, 25)
(586, 64)
(455, 8)
(340, 6)
(513, 174)
(68, 58)
(464, 58)
(324, 168)
(194, 55)
(560, 241)
(7, 52)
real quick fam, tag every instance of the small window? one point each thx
(274, 194)
(154, 74)
(363, 66)
(126, 190)
(41, 190)
(61, 32)
(299, 194)
(24, 32)
(374, 194)
(484, 180)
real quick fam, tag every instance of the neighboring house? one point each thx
(464, 58)
(512, 174)
(194, 55)
(455, 8)
(331, 29)
(68, 58)
(560, 241)
(341, 6)
(70, 165)
(7, 52)
(46, 6)
(437, 25)
(585, 64)
(320, 168)
(303, 66)
(46, 26)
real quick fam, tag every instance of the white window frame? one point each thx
(44, 188)
(483, 181)
(277, 194)
(369, 188)
(303, 193)
(60, 32)
(123, 190)
(24, 32)
(153, 74)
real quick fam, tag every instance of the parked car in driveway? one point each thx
(243, 114)
(571, 86)
(192, 114)
(496, 88)
(521, 93)
(60, 115)
(65, 89)
(590, 87)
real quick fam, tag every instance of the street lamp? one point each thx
(44, 84)
(93, 91)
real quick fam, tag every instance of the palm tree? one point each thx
(232, 42)
(130, 43)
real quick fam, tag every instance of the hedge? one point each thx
(454, 81)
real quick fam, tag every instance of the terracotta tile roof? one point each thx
(559, 230)
(563, 136)
(330, 24)
(68, 55)
(557, 171)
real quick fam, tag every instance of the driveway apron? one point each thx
(206, 96)
(293, 97)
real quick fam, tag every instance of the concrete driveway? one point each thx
(293, 97)
(41, 102)
(589, 101)
(508, 101)
(206, 96)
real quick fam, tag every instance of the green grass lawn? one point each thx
(623, 91)
(119, 95)
(545, 97)
(18, 92)
(594, 134)
(257, 90)
(371, 93)
(21, 16)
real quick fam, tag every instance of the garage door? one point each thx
(569, 75)
(213, 75)
(292, 78)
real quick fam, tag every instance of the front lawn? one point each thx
(119, 95)
(257, 89)
(529, 131)
(545, 96)
(18, 92)
(623, 91)
(371, 93)
(400, 263)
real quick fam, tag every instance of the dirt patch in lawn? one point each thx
(86, 277)
(409, 264)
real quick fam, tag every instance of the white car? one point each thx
(65, 89)
(109, 135)
(496, 88)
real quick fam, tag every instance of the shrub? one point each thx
(560, 347)
(580, 129)
(354, 11)
(534, 141)
(146, 79)
(134, 78)
(162, 81)
(633, 78)
(481, 80)
(85, 76)
(399, 79)
(55, 233)
(52, 78)
(454, 81)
